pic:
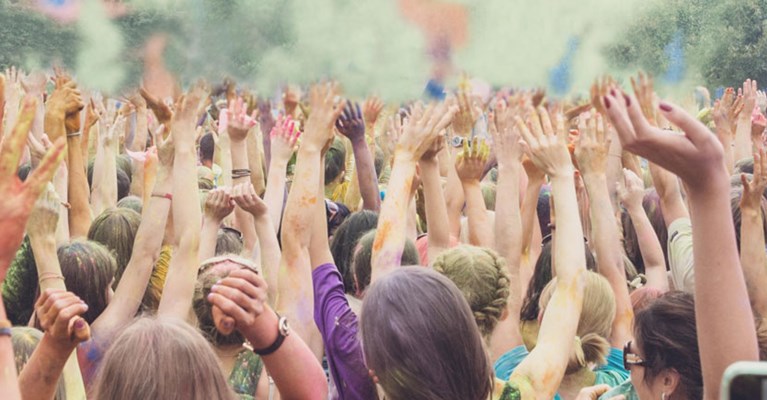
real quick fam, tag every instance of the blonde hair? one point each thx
(595, 324)
(481, 276)
(153, 293)
(160, 358)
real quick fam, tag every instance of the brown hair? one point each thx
(420, 339)
(116, 229)
(88, 269)
(25, 340)
(160, 358)
(665, 331)
(481, 275)
(362, 267)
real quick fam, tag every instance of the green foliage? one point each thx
(724, 40)
(29, 37)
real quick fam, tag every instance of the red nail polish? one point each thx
(612, 92)
(607, 101)
(628, 99)
(665, 107)
(80, 324)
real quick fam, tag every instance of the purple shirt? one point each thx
(338, 325)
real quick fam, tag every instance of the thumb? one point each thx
(224, 324)
(81, 331)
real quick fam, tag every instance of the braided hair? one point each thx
(481, 276)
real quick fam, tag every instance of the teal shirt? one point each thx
(611, 374)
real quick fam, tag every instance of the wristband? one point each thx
(5, 327)
(73, 134)
(163, 196)
(283, 330)
(49, 275)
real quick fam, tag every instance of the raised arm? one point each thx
(182, 272)
(421, 130)
(352, 125)
(631, 192)
(146, 247)
(239, 126)
(434, 201)
(752, 247)
(104, 193)
(724, 322)
(743, 127)
(295, 298)
(546, 364)
(508, 225)
(726, 111)
(284, 142)
(591, 153)
(469, 165)
(218, 205)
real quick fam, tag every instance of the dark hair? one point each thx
(379, 160)
(665, 331)
(123, 180)
(541, 277)
(228, 241)
(345, 241)
(116, 229)
(132, 202)
(20, 285)
(335, 161)
(88, 269)
(420, 339)
(24, 171)
(651, 205)
(363, 259)
(336, 214)
(543, 208)
(207, 146)
(125, 164)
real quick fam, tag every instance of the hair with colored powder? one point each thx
(132, 202)
(345, 241)
(20, 285)
(488, 194)
(160, 358)
(335, 161)
(116, 229)
(642, 297)
(380, 157)
(595, 323)
(88, 268)
(153, 293)
(363, 254)
(25, 340)
(481, 276)
(420, 338)
(228, 241)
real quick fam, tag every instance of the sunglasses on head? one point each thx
(630, 359)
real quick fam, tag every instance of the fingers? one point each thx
(13, 145)
(37, 180)
(692, 127)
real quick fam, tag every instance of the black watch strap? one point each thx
(282, 333)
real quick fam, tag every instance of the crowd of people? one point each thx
(216, 245)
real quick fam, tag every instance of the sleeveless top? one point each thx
(246, 374)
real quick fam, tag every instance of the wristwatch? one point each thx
(283, 330)
(457, 141)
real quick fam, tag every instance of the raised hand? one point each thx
(371, 110)
(631, 190)
(749, 97)
(241, 297)
(470, 162)
(290, 99)
(38, 148)
(694, 156)
(546, 147)
(326, 108)
(64, 104)
(219, 204)
(598, 89)
(72, 120)
(161, 110)
(59, 314)
(244, 195)
(645, 92)
(34, 83)
(727, 109)
(111, 136)
(19, 197)
(505, 135)
(165, 149)
(45, 215)
(350, 123)
(185, 119)
(422, 128)
(753, 191)
(392, 133)
(467, 115)
(284, 139)
(592, 147)
(239, 122)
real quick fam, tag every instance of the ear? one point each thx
(669, 381)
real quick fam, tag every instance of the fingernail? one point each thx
(227, 325)
(612, 92)
(665, 107)
(628, 99)
(210, 297)
(607, 101)
(80, 324)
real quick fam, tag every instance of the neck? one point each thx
(574, 382)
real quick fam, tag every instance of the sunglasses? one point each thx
(630, 358)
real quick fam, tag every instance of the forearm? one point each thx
(244, 221)
(436, 209)
(47, 261)
(754, 259)
(274, 196)
(724, 134)
(79, 211)
(743, 136)
(725, 327)
(270, 253)
(223, 157)
(366, 176)
(392, 222)
(650, 248)
(608, 254)
(669, 193)
(569, 229)
(104, 193)
(40, 377)
(529, 212)
(60, 185)
(208, 237)
(615, 165)
(137, 179)
(256, 166)
(454, 200)
(412, 220)
(139, 137)
(480, 232)
(9, 385)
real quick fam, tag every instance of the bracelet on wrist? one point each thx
(73, 134)
(163, 196)
(5, 327)
(48, 276)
